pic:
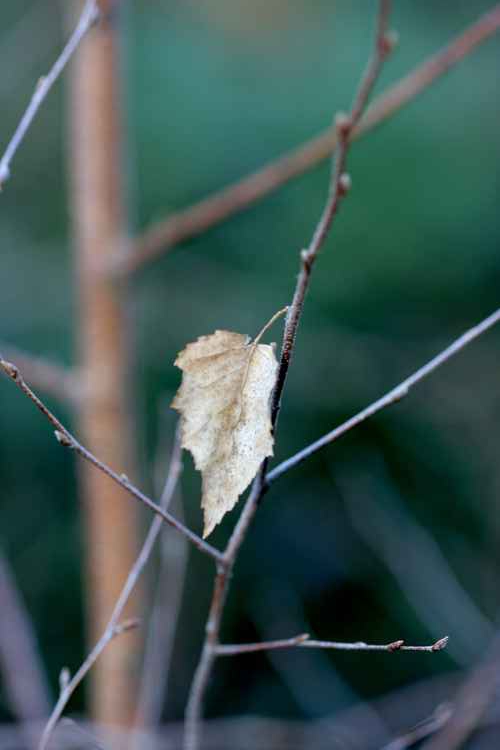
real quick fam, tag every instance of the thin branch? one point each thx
(303, 641)
(391, 647)
(235, 649)
(66, 439)
(219, 206)
(89, 16)
(53, 379)
(339, 185)
(114, 627)
(392, 397)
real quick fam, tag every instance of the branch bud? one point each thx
(389, 42)
(345, 184)
(343, 124)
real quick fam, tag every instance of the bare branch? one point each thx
(392, 397)
(89, 16)
(66, 439)
(220, 205)
(114, 626)
(54, 379)
(234, 649)
(339, 185)
(303, 641)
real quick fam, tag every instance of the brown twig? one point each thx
(219, 206)
(66, 439)
(392, 397)
(114, 627)
(339, 185)
(53, 379)
(303, 641)
(89, 16)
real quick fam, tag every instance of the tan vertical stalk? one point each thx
(104, 418)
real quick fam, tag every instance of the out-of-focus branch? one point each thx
(303, 641)
(66, 439)
(219, 206)
(423, 730)
(165, 609)
(416, 562)
(337, 189)
(24, 678)
(471, 702)
(393, 396)
(89, 16)
(51, 378)
(114, 627)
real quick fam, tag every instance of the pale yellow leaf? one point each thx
(224, 401)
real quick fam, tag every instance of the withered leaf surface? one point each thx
(224, 401)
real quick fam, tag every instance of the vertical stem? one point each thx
(104, 418)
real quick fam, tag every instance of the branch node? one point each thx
(63, 439)
(440, 644)
(64, 678)
(343, 125)
(125, 626)
(344, 184)
(10, 369)
(395, 646)
(388, 42)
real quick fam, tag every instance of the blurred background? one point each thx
(394, 531)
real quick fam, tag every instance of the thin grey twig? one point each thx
(89, 16)
(339, 185)
(393, 396)
(114, 627)
(303, 641)
(66, 439)
(234, 649)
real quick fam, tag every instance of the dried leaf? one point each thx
(224, 401)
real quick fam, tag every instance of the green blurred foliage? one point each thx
(213, 91)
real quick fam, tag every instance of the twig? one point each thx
(54, 379)
(392, 397)
(339, 185)
(303, 641)
(234, 649)
(220, 205)
(114, 627)
(89, 16)
(66, 439)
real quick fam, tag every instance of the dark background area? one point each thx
(392, 533)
